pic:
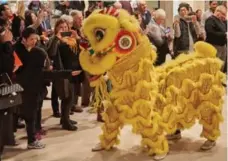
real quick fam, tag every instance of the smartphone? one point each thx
(188, 18)
(168, 30)
(66, 34)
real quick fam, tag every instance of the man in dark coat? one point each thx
(216, 32)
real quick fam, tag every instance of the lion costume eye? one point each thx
(99, 34)
(125, 42)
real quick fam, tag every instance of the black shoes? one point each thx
(57, 115)
(77, 109)
(71, 122)
(69, 127)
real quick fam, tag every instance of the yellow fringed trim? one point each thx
(71, 42)
(100, 94)
(177, 105)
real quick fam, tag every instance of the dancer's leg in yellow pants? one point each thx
(111, 127)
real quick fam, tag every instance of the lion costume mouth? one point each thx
(93, 77)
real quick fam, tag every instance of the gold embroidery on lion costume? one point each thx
(155, 100)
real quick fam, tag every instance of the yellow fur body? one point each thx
(156, 100)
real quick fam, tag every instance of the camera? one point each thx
(188, 18)
(66, 34)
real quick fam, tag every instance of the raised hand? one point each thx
(75, 73)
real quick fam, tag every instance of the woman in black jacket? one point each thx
(33, 60)
(63, 52)
(6, 66)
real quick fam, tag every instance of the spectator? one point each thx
(92, 6)
(6, 66)
(6, 13)
(202, 34)
(127, 6)
(34, 60)
(63, 6)
(54, 94)
(199, 15)
(46, 23)
(63, 54)
(31, 20)
(216, 31)
(210, 11)
(68, 19)
(80, 82)
(18, 22)
(35, 6)
(117, 5)
(78, 5)
(186, 30)
(12, 24)
(145, 13)
(158, 35)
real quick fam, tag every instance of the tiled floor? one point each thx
(76, 146)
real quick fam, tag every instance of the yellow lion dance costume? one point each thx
(156, 101)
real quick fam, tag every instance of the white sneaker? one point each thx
(159, 157)
(36, 145)
(208, 145)
(98, 147)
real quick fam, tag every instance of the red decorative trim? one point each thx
(127, 34)
(110, 11)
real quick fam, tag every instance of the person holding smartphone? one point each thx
(186, 30)
(62, 50)
(159, 36)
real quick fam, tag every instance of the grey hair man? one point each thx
(77, 18)
(216, 31)
(158, 35)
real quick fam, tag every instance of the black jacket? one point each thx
(215, 31)
(63, 57)
(6, 121)
(78, 5)
(146, 17)
(6, 58)
(31, 75)
(182, 43)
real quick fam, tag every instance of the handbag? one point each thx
(10, 94)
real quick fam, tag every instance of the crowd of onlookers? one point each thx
(188, 28)
(49, 54)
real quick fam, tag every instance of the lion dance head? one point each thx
(111, 36)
